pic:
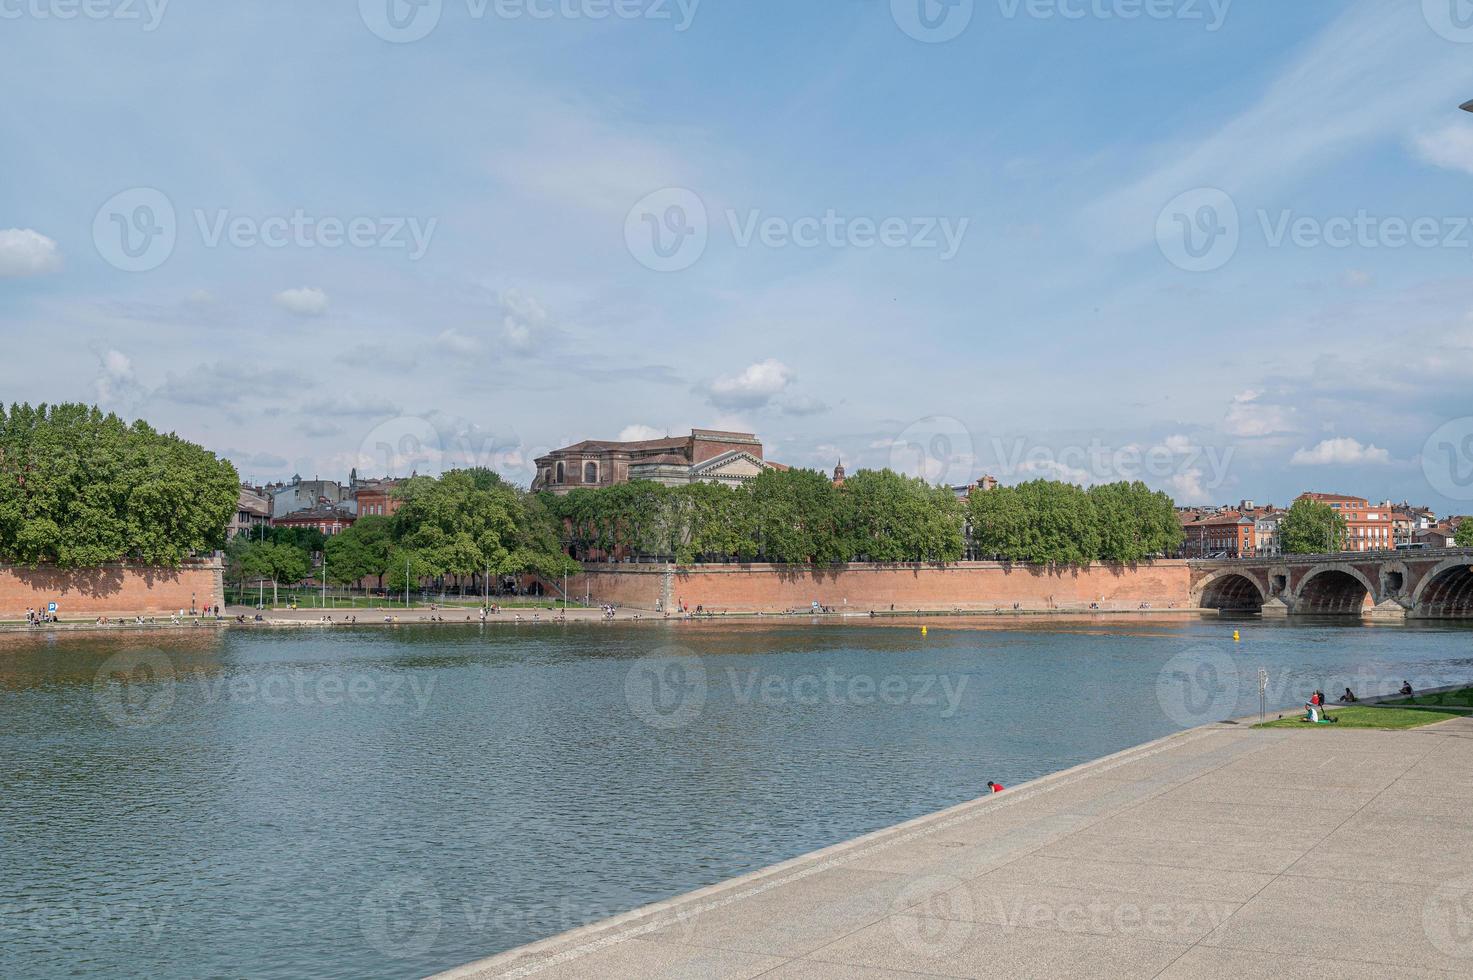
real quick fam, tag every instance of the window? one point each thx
(559, 473)
(590, 472)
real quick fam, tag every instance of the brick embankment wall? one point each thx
(110, 590)
(968, 586)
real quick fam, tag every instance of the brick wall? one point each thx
(968, 585)
(111, 590)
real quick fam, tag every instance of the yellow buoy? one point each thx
(1237, 638)
(923, 631)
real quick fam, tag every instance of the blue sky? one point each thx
(1081, 238)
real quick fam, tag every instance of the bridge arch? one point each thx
(1446, 592)
(1334, 590)
(1230, 591)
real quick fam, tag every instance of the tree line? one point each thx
(459, 528)
(80, 487)
(802, 517)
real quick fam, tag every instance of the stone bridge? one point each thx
(1393, 584)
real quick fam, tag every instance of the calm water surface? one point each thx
(390, 802)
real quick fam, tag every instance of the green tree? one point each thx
(1311, 527)
(1463, 536)
(1133, 523)
(360, 551)
(80, 488)
(887, 517)
(1041, 522)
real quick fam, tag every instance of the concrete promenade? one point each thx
(1219, 852)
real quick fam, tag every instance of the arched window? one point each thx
(559, 472)
(590, 472)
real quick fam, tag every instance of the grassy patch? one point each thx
(1450, 699)
(1359, 716)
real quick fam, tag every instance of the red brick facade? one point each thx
(111, 590)
(968, 586)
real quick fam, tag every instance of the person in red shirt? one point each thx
(994, 787)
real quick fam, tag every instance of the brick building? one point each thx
(375, 497)
(325, 518)
(704, 456)
(1231, 534)
(1368, 527)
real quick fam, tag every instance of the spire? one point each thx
(839, 473)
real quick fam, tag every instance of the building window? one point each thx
(559, 478)
(590, 473)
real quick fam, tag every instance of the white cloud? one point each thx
(755, 387)
(1178, 444)
(1450, 147)
(1250, 417)
(1341, 452)
(304, 301)
(24, 252)
(639, 433)
(524, 322)
(1053, 469)
(116, 385)
(458, 343)
(1186, 487)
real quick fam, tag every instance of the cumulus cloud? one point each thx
(1450, 148)
(458, 342)
(755, 387)
(227, 384)
(1186, 487)
(116, 385)
(1340, 452)
(303, 301)
(524, 322)
(25, 252)
(1250, 417)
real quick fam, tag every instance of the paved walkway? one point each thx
(1221, 852)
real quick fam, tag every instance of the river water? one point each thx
(388, 802)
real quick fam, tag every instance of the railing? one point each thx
(1339, 556)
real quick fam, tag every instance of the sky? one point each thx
(1223, 246)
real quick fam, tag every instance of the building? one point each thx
(375, 497)
(1230, 534)
(704, 456)
(300, 494)
(1266, 539)
(252, 510)
(1368, 527)
(327, 519)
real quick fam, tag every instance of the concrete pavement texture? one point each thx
(1220, 852)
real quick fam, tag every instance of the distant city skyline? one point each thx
(990, 243)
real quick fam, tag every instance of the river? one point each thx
(388, 802)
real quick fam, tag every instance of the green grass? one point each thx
(1365, 716)
(1449, 699)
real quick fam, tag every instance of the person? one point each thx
(994, 786)
(1348, 697)
(1406, 689)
